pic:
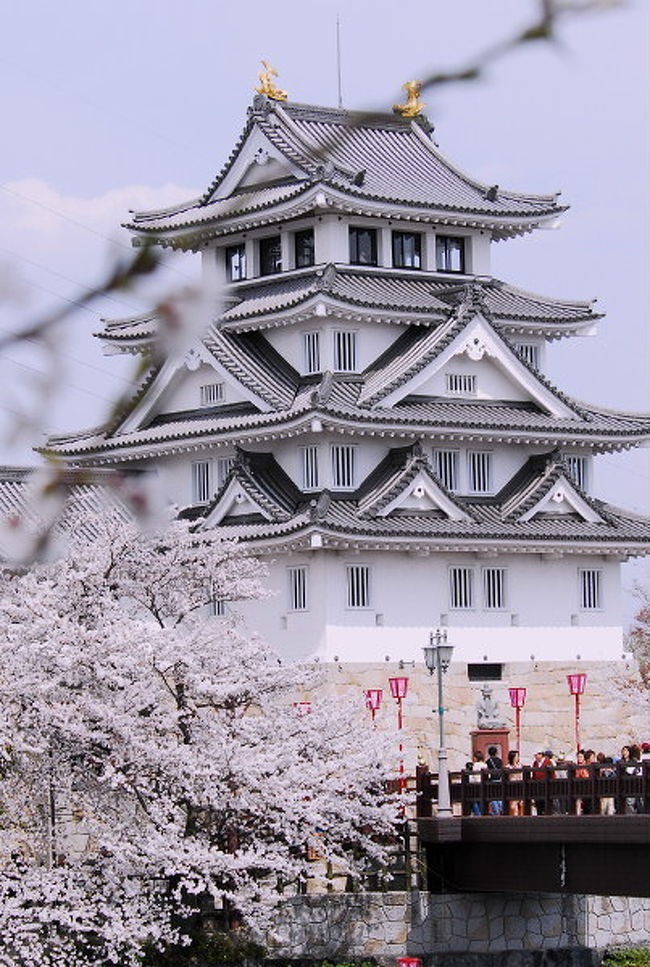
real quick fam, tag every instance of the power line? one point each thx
(35, 369)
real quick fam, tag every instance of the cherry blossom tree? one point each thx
(152, 757)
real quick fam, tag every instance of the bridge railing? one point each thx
(576, 790)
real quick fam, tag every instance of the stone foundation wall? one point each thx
(391, 925)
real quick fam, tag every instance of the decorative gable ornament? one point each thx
(563, 498)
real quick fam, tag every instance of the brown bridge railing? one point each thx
(610, 789)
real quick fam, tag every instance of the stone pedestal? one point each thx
(482, 739)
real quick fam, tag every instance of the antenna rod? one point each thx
(338, 58)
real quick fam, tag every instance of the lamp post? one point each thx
(437, 657)
(373, 700)
(577, 683)
(398, 689)
(517, 701)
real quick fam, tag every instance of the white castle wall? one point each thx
(410, 595)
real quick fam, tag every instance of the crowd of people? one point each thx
(546, 764)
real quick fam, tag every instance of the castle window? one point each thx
(363, 246)
(309, 468)
(311, 347)
(236, 262)
(494, 588)
(223, 469)
(212, 393)
(445, 464)
(345, 351)
(407, 250)
(303, 248)
(590, 582)
(479, 466)
(450, 253)
(270, 250)
(461, 588)
(485, 672)
(201, 473)
(357, 585)
(343, 466)
(461, 384)
(297, 588)
(216, 606)
(530, 352)
(577, 467)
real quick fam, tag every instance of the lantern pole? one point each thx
(517, 701)
(398, 689)
(437, 657)
(577, 683)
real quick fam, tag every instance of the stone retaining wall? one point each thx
(391, 925)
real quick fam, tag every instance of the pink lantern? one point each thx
(577, 683)
(398, 687)
(517, 697)
(302, 708)
(517, 701)
(373, 700)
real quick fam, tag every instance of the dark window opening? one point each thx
(363, 246)
(236, 262)
(407, 250)
(485, 672)
(450, 253)
(304, 248)
(270, 255)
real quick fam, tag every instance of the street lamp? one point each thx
(517, 701)
(577, 683)
(373, 700)
(398, 689)
(437, 657)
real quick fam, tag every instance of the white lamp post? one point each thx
(437, 657)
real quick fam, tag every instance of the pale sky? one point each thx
(125, 105)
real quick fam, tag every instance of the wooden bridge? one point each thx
(569, 833)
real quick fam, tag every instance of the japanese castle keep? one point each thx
(369, 408)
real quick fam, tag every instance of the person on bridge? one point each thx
(495, 765)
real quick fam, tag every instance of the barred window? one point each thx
(450, 253)
(494, 588)
(461, 383)
(297, 588)
(311, 347)
(236, 262)
(217, 607)
(345, 351)
(445, 464)
(304, 248)
(223, 469)
(530, 352)
(212, 393)
(407, 248)
(357, 585)
(343, 466)
(201, 473)
(270, 250)
(590, 580)
(461, 588)
(309, 457)
(363, 246)
(577, 467)
(480, 471)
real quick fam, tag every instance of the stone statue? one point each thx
(487, 711)
(413, 105)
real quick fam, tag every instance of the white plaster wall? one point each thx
(184, 391)
(175, 473)
(372, 340)
(492, 383)
(410, 596)
(287, 453)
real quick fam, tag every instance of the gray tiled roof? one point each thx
(487, 518)
(379, 158)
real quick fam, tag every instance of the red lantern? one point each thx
(517, 701)
(517, 697)
(373, 700)
(302, 708)
(577, 683)
(398, 687)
